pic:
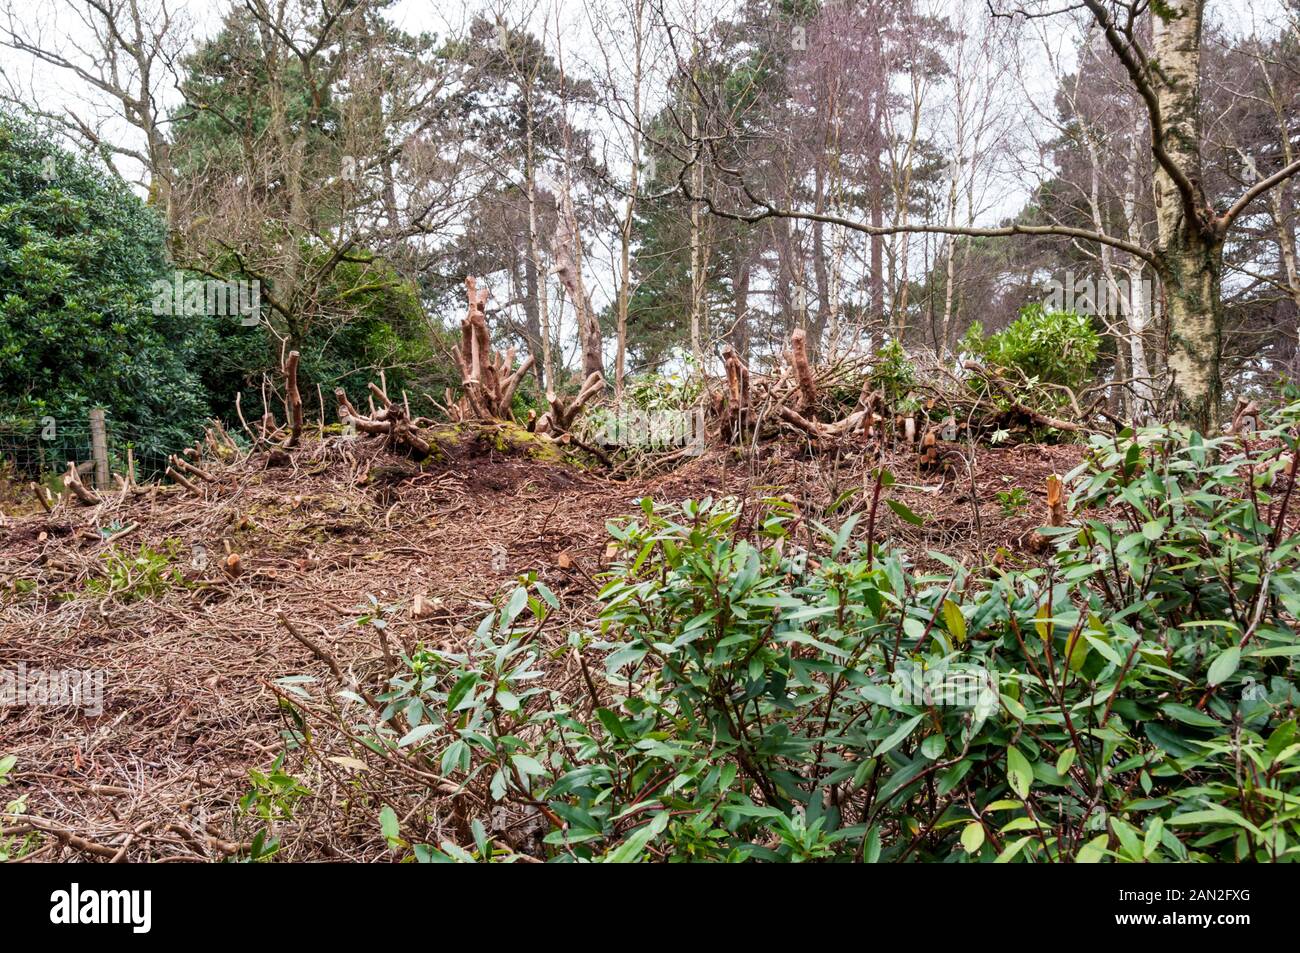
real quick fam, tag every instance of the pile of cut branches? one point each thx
(796, 397)
(850, 404)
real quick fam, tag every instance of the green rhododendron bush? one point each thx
(79, 255)
(758, 686)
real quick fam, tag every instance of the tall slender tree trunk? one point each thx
(1281, 200)
(697, 249)
(1191, 270)
(821, 273)
(1283, 207)
(1130, 299)
(535, 247)
(1190, 254)
(629, 219)
(290, 149)
(878, 90)
(568, 251)
(625, 273)
(1137, 312)
(950, 275)
(740, 320)
(531, 317)
(877, 202)
(567, 248)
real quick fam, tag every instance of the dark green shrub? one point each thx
(78, 256)
(1049, 347)
(367, 317)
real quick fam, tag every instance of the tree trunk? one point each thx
(1137, 311)
(567, 249)
(1190, 252)
(821, 273)
(625, 276)
(1138, 316)
(160, 183)
(547, 379)
(532, 320)
(950, 273)
(1191, 270)
(876, 188)
(629, 219)
(740, 324)
(697, 253)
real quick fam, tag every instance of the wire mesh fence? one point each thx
(39, 448)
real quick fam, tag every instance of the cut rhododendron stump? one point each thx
(565, 411)
(488, 381)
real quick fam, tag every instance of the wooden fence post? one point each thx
(99, 448)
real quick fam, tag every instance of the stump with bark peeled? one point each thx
(293, 399)
(1055, 501)
(735, 403)
(565, 410)
(486, 378)
(802, 369)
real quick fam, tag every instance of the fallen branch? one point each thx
(66, 836)
(39, 492)
(596, 452)
(1043, 420)
(311, 645)
(819, 430)
(182, 464)
(175, 475)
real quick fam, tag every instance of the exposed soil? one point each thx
(187, 706)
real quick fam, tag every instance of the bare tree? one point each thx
(1254, 94)
(626, 51)
(567, 244)
(526, 68)
(1103, 121)
(980, 119)
(126, 64)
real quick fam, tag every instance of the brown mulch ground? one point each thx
(188, 707)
